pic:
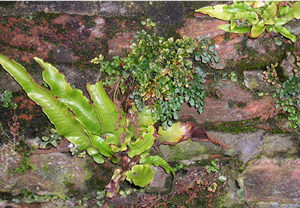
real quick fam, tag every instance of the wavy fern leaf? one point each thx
(142, 144)
(73, 98)
(111, 119)
(95, 155)
(57, 112)
(157, 161)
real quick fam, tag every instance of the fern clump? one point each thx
(100, 127)
(161, 73)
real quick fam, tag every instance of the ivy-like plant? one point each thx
(255, 17)
(7, 99)
(53, 139)
(102, 128)
(160, 73)
(288, 98)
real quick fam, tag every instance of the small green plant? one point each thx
(25, 163)
(53, 139)
(100, 198)
(31, 197)
(240, 194)
(7, 99)
(213, 167)
(296, 67)
(255, 17)
(233, 77)
(178, 166)
(288, 98)
(75, 151)
(148, 22)
(271, 74)
(161, 73)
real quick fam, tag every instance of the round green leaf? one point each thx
(140, 175)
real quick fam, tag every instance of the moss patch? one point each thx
(234, 127)
(7, 4)
(25, 164)
(40, 16)
(97, 179)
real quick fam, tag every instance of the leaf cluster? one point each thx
(271, 74)
(255, 17)
(148, 22)
(162, 73)
(7, 99)
(100, 128)
(288, 98)
(53, 139)
(213, 167)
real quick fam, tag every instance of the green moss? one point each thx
(23, 27)
(25, 164)
(89, 21)
(230, 103)
(234, 166)
(22, 147)
(246, 65)
(40, 16)
(71, 189)
(241, 105)
(200, 202)
(60, 29)
(234, 127)
(6, 196)
(258, 61)
(96, 180)
(113, 24)
(7, 4)
(169, 30)
(45, 167)
(30, 50)
(184, 150)
(3, 22)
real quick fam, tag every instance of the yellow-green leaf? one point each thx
(101, 145)
(259, 4)
(142, 144)
(108, 114)
(72, 98)
(269, 13)
(237, 8)
(236, 29)
(251, 17)
(174, 134)
(215, 11)
(57, 112)
(286, 33)
(157, 161)
(95, 155)
(296, 10)
(140, 175)
(257, 29)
